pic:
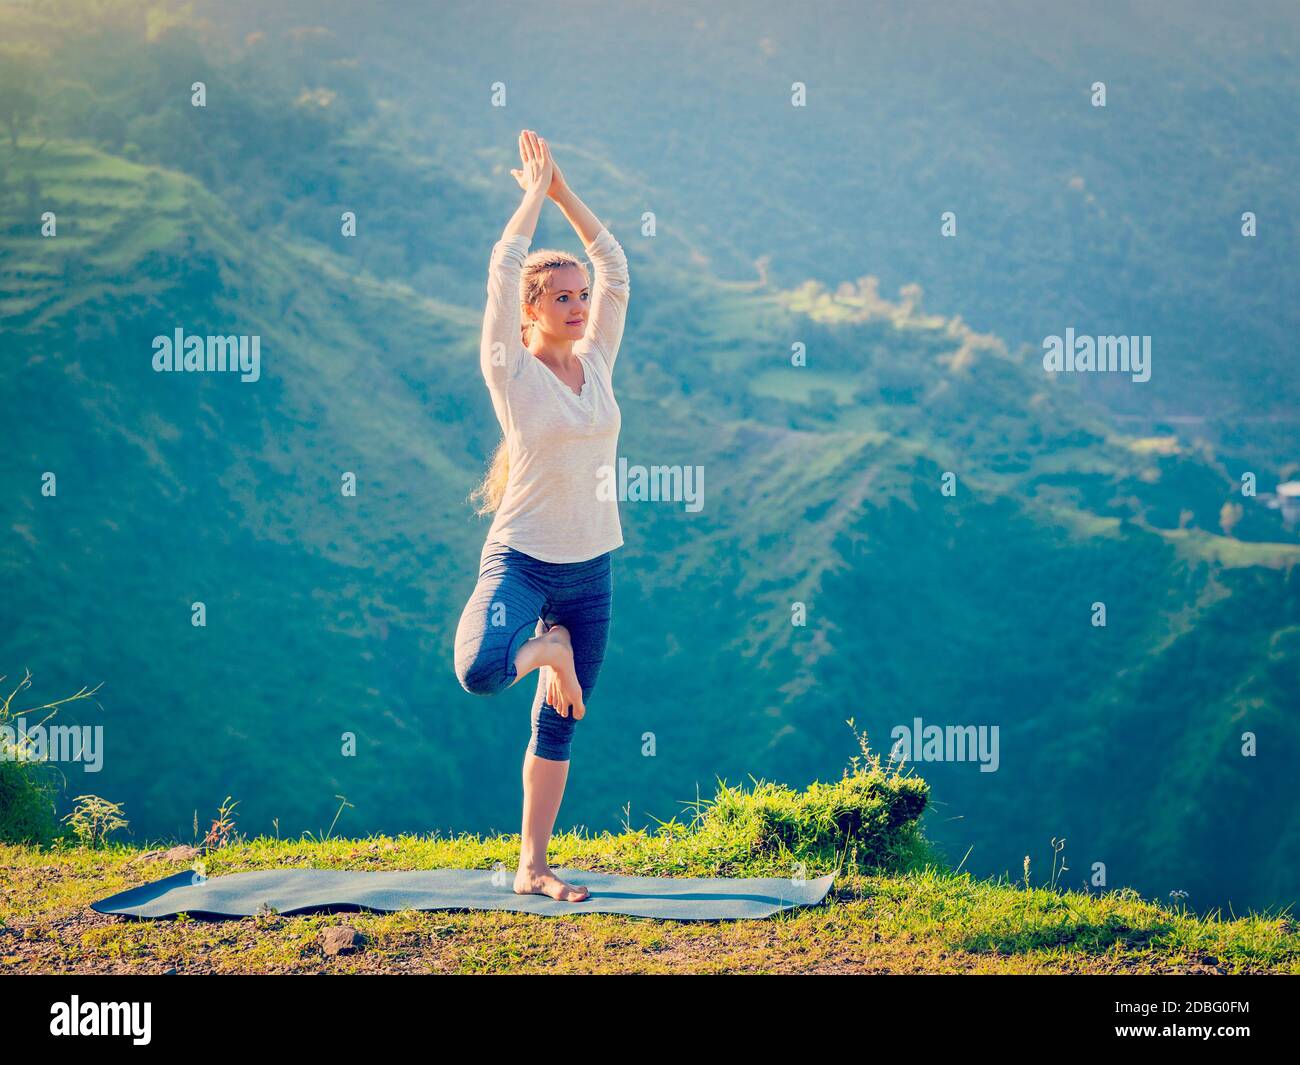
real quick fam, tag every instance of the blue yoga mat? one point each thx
(306, 890)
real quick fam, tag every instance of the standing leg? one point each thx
(581, 601)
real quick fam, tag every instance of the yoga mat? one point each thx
(305, 890)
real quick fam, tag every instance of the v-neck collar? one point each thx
(586, 375)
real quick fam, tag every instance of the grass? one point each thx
(797, 387)
(894, 907)
(925, 921)
(1198, 544)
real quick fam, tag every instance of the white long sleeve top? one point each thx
(558, 506)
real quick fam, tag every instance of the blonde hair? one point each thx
(533, 282)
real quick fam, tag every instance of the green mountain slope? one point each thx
(1123, 218)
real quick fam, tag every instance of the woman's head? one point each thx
(555, 295)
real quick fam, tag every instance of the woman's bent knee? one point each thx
(479, 677)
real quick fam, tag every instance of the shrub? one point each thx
(27, 786)
(871, 815)
(26, 801)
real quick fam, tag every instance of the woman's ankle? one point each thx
(533, 653)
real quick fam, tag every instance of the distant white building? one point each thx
(1287, 500)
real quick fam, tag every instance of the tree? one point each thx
(17, 101)
(1229, 515)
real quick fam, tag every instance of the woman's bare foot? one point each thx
(563, 688)
(528, 882)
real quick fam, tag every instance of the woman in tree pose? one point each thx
(544, 588)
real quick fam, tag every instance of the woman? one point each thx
(544, 586)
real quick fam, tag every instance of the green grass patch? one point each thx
(895, 907)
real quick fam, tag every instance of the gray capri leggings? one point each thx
(514, 593)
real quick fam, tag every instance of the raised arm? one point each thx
(612, 287)
(610, 293)
(501, 346)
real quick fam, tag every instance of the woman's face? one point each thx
(562, 310)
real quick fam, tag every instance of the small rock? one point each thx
(181, 853)
(170, 972)
(147, 856)
(341, 939)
